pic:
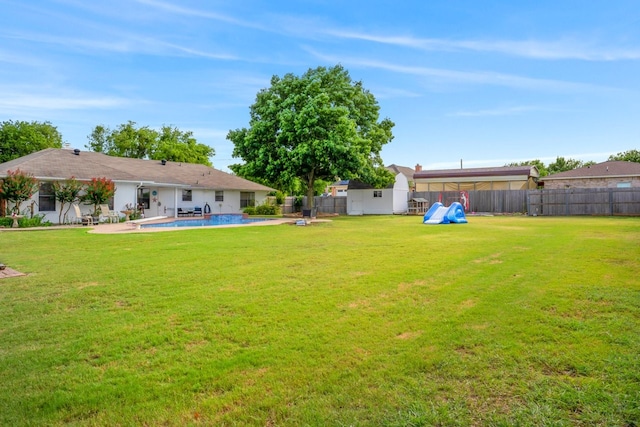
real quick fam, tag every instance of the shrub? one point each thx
(279, 197)
(249, 210)
(266, 209)
(36, 221)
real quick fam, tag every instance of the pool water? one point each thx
(223, 219)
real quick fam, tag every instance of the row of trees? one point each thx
(562, 165)
(170, 143)
(20, 138)
(18, 187)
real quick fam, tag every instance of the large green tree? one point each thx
(321, 125)
(19, 138)
(627, 156)
(170, 143)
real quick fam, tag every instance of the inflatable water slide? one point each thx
(440, 214)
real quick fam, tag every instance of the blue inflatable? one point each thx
(439, 214)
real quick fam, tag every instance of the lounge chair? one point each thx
(107, 213)
(82, 218)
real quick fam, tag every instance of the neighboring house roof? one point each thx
(529, 171)
(406, 171)
(60, 164)
(611, 169)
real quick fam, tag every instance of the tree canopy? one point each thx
(170, 143)
(559, 165)
(627, 156)
(562, 165)
(19, 138)
(320, 125)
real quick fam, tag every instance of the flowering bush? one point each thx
(98, 191)
(17, 187)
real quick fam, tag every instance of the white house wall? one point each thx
(164, 204)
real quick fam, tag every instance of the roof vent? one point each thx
(76, 151)
(163, 161)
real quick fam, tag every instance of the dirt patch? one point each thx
(9, 272)
(408, 335)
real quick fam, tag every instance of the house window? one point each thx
(187, 196)
(377, 193)
(46, 197)
(247, 199)
(624, 185)
(219, 196)
(144, 198)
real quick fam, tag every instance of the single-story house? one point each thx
(611, 174)
(363, 199)
(160, 186)
(477, 179)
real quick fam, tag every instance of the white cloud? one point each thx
(465, 77)
(558, 49)
(14, 101)
(176, 9)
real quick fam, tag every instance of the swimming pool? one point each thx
(221, 219)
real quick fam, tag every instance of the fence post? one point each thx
(610, 201)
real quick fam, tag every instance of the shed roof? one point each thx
(60, 164)
(354, 184)
(608, 169)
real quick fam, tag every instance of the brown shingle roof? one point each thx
(406, 171)
(478, 172)
(53, 163)
(599, 170)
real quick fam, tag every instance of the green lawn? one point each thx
(362, 321)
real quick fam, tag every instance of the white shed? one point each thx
(363, 199)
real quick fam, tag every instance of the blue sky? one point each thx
(485, 82)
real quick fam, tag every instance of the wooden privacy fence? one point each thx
(584, 201)
(331, 205)
(493, 201)
(322, 205)
(571, 201)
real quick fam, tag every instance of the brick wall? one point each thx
(590, 183)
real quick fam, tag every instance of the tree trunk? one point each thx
(310, 191)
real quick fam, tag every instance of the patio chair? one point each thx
(80, 217)
(197, 211)
(107, 213)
